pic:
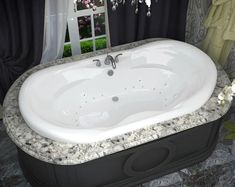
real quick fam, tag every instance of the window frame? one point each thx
(73, 27)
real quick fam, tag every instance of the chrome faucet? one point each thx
(116, 57)
(108, 60)
(98, 62)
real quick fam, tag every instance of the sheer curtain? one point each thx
(56, 12)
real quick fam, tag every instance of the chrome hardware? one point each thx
(116, 57)
(98, 62)
(109, 59)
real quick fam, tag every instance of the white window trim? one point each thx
(74, 28)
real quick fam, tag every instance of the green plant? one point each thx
(230, 126)
(67, 50)
(87, 46)
(84, 27)
(100, 43)
(99, 21)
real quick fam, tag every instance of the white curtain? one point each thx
(56, 12)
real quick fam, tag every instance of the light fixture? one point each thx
(115, 3)
(133, 3)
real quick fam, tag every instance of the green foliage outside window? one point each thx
(67, 50)
(101, 43)
(86, 46)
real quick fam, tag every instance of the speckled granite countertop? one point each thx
(69, 154)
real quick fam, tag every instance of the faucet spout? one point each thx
(110, 60)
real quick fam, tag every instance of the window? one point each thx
(87, 29)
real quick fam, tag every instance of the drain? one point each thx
(115, 99)
(110, 73)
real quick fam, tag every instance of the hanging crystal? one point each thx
(136, 8)
(134, 3)
(91, 4)
(148, 3)
(149, 12)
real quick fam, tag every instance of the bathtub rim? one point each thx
(92, 135)
(15, 124)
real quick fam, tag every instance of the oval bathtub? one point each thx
(81, 103)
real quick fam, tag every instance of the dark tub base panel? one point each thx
(129, 167)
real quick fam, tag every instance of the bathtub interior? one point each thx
(79, 102)
(105, 101)
(146, 83)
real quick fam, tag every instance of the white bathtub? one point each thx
(80, 103)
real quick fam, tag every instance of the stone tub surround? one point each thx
(69, 154)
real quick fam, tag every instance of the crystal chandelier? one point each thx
(133, 3)
(115, 3)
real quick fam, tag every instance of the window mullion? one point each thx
(108, 43)
(74, 36)
(93, 31)
(74, 30)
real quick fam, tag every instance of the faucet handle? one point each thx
(98, 62)
(107, 61)
(116, 57)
